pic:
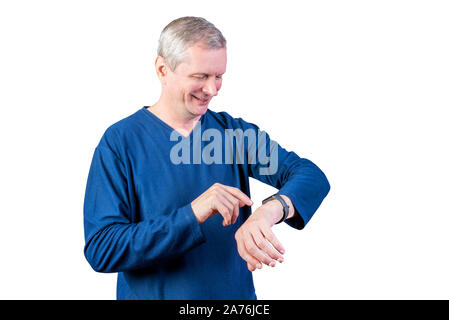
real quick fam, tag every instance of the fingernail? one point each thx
(259, 266)
(272, 264)
(282, 251)
(281, 260)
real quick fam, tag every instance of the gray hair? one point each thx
(184, 32)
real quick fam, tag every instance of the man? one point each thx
(170, 212)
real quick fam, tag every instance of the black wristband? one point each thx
(284, 205)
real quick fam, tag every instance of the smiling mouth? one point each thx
(201, 100)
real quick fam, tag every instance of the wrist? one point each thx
(281, 205)
(291, 208)
(273, 211)
(195, 211)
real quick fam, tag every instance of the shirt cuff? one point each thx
(188, 218)
(297, 221)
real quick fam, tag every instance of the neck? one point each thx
(183, 122)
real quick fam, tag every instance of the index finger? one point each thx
(239, 195)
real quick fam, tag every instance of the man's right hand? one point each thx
(221, 199)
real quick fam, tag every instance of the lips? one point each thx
(202, 101)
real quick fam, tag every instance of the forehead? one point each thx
(202, 60)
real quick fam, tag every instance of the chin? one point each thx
(198, 110)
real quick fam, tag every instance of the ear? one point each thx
(161, 69)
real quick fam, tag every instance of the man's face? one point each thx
(196, 80)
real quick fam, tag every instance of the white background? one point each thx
(358, 87)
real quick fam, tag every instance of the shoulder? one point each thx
(128, 123)
(120, 131)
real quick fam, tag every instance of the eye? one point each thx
(201, 77)
(219, 77)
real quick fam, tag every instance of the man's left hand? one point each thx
(256, 242)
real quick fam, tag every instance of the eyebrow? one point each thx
(205, 74)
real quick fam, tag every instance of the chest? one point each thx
(162, 183)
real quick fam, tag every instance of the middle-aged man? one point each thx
(167, 201)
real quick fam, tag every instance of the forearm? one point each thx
(122, 247)
(306, 186)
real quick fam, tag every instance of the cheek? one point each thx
(194, 88)
(173, 89)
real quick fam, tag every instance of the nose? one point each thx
(210, 87)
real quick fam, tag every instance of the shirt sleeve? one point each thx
(297, 178)
(113, 242)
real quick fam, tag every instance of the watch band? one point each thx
(284, 205)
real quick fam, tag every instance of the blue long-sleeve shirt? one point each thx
(137, 215)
